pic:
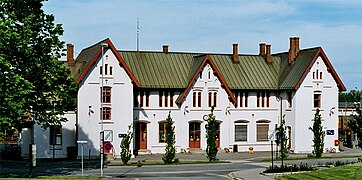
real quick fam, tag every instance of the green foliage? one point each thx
(283, 141)
(211, 149)
(125, 145)
(29, 51)
(318, 132)
(355, 123)
(170, 153)
(352, 96)
(14, 90)
(289, 168)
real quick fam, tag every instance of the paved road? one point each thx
(194, 171)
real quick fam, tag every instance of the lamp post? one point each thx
(104, 45)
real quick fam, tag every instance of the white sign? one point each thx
(108, 135)
(271, 135)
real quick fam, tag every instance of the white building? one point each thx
(250, 94)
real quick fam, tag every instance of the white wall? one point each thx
(42, 141)
(89, 105)
(304, 110)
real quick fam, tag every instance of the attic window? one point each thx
(78, 71)
(84, 62)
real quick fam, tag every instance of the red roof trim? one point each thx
(218, 74)
(119, 58)
(329, 66)
(89, 66)
(122, 63)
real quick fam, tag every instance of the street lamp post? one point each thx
(104, 45)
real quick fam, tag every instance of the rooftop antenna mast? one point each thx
(138, 34)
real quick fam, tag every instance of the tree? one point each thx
(318, 132)
(14, 89)
(355, 123)
(283, 139)
(352, 96)
(211, 149)
(170, 153)
(125, 145)
(30, 47)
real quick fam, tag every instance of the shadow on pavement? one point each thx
(45, 167)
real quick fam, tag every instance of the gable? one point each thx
(89, 56)
(206, 60)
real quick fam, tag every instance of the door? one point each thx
(142, 136)
(218, 135)
(194, 135)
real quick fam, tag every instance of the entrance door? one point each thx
(143, 135)
(218, 135)
(194, 135)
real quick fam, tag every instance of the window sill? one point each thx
(106, 122)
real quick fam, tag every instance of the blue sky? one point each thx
(212, 26)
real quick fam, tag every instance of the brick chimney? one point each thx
(268, 54)
(294, 49)
(70, 55)
(235, 57)
(165, 48)
(262, 49)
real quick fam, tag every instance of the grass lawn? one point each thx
(162, 163)
(304, 158)
(351, 171)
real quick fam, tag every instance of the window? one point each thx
(241, 132)
(162, 132)
(258, 99)
(200, 74)
(141, 98)
(263, 99)
(212, 99)
(262, 132)
(246, 99)
(317, 74)
(199, 99)
(194, 99)
(106, 94)
(135, 99)
(171, 99)
(55, 135)
(267, 99)
(289, 99)
(106, 69)
(160, 98)
(110, 70)
(317, 100)
(100, 70)
(147, 99)
(166, 98)
(106, 113)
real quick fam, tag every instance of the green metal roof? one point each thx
(160, 70)
(251, 73)
(291, 74)
(175, 69)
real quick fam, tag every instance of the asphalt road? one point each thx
(194, 171)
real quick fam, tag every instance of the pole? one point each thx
(271, 144)
(82, 161)
(101, 138)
